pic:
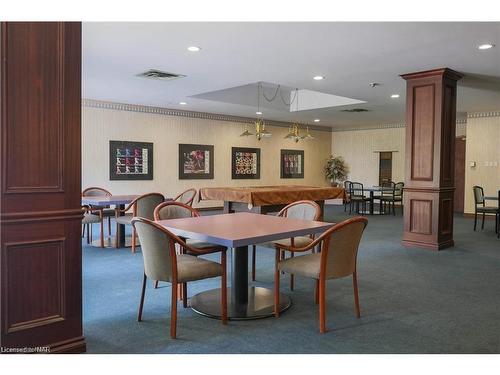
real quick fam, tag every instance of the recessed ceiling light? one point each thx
(193, 49)
(182, 103)
(316, 120)
(318, 78)
(486, 46)
(258, 113)
(395, 96)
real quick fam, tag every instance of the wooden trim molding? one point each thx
(483, 114)
(92, 103)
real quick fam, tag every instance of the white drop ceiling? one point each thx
(222, 77)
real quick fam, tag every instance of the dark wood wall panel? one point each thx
(40, 83)
(430, 158)
(35, 70)
(423, 133)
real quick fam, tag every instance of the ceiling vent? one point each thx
(158, 74)
(355, 110)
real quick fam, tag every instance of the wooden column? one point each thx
(40, 214)
(430, 153)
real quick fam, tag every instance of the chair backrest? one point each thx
(186, 197)
(95, 192)
(146, 204)
(339, 247)
(174, 210)
(398, 189)
(305, 210)
(357, 189)
(478, 195)
(388, 185)
(158, 249)
(347, 186)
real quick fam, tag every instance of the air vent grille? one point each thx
(355, 110)
(158, 74)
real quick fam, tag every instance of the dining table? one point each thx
(120, 201)
(237, 231)
(373, 190)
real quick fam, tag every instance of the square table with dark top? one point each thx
(112, 200)
(236, 231)
(373, 190)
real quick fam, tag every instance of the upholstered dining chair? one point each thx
(337, 259)
(108, 212)
(305, 210)
(186, 197)
(481, 208)
(142, 206)
(389, 198)
(358, 196)
(177, 210)
(92, 217)
(161, 262)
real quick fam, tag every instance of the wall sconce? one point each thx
(472, 164)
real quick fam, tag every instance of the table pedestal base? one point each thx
(260, 304)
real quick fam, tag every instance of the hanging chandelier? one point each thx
(293, 130)
(260, 125)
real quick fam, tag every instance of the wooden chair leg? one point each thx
(277, 285)
(133, 240)
(322, 307)
(109, 226)
(356, 294)
(156, 284)
(292, 277)
(173, 311)
(179, 291)
(83, 230)
(90, 229)
(475, 220)
(141, 303)
(482, 225)
(316, 292)
(254, 254)
(223, 289)
(393, 209)
(184, 295)
(102, 233)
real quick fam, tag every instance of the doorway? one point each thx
(459, 196)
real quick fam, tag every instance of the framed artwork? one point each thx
(196, 162)
(292, 164)
(130, 160)
(245, 163)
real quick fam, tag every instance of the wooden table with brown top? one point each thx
(236, 231)
(266, 199)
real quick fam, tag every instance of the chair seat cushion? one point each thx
(299, 241)
(190, 268)
(204, 247)
(359, 198)
(90, 219)
(390, 198)
(305, 265)
(125, 219)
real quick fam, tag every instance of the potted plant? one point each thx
(336, 170)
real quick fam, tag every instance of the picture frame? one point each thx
(130, 160)
(196, 162)
(245, 163)
(292, 164)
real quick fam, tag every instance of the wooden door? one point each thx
(41, 269)
(459, 174)
(385, 168)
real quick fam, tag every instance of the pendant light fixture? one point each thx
(260, 125)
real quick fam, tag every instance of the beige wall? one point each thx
(100, 125)
(358, 148)
(483, 148)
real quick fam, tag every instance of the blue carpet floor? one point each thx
(412, 301)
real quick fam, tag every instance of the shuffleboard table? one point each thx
(267, 199)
